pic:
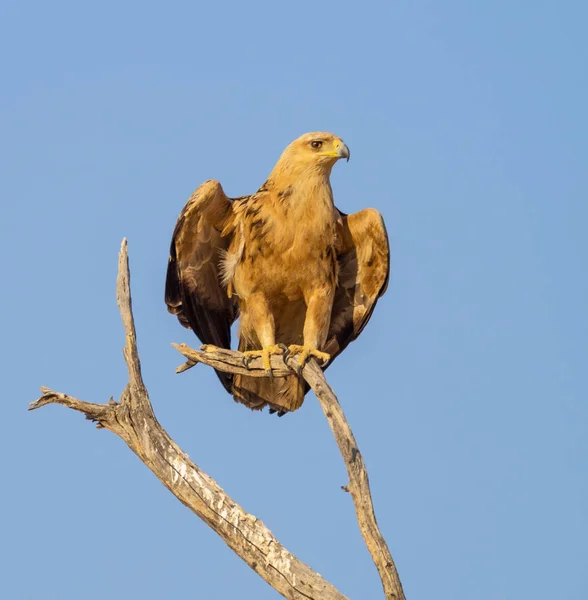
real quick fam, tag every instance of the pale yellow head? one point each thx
(317, 151)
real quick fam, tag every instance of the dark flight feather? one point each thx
(193, 290)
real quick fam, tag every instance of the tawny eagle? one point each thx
(296, 270)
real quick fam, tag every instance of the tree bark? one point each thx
(132, 419)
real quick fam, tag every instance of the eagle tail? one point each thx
(281, 394)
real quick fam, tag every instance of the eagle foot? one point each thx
(306, 353)
(265, 354)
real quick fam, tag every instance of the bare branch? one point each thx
(230, 361)
(359, 485)
(93, 412)
(123, 299)
(133, 420)
(359, 488)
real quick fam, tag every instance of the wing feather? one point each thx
(193, 288)
(364, 269)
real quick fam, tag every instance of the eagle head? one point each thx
(319, 150)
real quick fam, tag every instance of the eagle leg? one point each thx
(307, 352)
(265, 354)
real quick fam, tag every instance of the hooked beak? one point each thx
(343, 152)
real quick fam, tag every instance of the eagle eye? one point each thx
(316, 144)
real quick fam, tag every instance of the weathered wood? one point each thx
(229, 361)
(246, 535)
(134, 421)
(358, 486)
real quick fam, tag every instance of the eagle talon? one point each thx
(306, 353)
(265, 354)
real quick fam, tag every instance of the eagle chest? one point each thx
(286, 250)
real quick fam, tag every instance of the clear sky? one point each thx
(467, 391)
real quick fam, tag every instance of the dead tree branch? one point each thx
(132, 419)
(358, 486)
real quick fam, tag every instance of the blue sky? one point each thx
(467, 391)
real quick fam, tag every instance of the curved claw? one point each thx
(265, 354)
(306, 353)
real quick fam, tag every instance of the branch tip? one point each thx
(233, 361)
(187, 365)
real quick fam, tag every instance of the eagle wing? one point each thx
(193, 287)
(364, 269)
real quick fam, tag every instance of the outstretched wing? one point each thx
(193, 288)
(364, 268)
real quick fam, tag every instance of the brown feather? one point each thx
(301, 271)
(283, 394)
(364, 270)
(193, 291)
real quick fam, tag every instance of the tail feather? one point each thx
(283, 394)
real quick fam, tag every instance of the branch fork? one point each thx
(132, 419)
